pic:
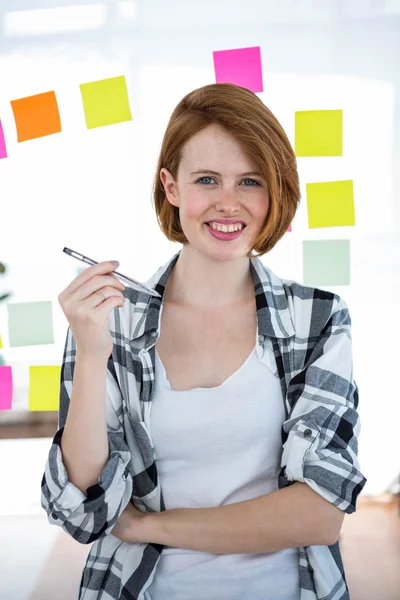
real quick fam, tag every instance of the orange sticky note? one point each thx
(36, 116)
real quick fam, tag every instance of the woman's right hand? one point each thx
(87, 312)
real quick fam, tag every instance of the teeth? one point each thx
(226, 228)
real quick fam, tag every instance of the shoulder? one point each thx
(311, 308)
(308, 308)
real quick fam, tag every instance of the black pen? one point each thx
(136, 284)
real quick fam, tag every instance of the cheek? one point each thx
(260, 209)
(192, 213)
(193, 207)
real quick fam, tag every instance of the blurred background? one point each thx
(90, 189)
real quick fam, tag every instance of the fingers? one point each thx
(96, 298)
(104, 308)
(99, 269)
(110, 283)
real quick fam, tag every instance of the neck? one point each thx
(201, 282)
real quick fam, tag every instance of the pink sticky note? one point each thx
(6, 387)
(3, 151)
(241, 67)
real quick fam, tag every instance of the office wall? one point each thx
(90, 190)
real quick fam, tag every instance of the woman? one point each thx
(207, 440)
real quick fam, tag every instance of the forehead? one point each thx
(212, 147)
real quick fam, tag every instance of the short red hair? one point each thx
(244, 115)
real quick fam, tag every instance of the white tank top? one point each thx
(216, 446)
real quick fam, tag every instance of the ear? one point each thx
(170, 187)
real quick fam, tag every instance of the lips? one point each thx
(208, 223)
(225, 236)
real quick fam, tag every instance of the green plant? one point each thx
(3, 297)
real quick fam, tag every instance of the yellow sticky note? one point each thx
(105, 102)
(44, 387)
(318, 133)
(1, 342)
(330, 204)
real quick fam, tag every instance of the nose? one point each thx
(228, 202)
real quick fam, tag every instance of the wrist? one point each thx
(92, 360)
(149, 527)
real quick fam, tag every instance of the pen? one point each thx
(90, 261)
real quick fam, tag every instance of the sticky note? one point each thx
(326, 262)
(44, 388)
(330, 204)
(105, 102)
(6, 387)
(318, 133)
(1, 342)
(30, 323)
(290, 229)
(3, 150)
(241, 66)
(36, 116)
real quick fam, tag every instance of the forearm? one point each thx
(84, 442)
(292, 517)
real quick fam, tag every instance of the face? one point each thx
(205, 196)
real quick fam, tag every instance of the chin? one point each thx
(228, 254)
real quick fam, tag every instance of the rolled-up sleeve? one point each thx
(321, 433)
(87, 517)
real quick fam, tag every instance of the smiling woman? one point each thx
(259, 141)
(224, 410)
(228, 198)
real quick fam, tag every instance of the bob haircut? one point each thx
(242, 114)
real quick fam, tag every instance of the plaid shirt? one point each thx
(304, 334)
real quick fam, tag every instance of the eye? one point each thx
(253, 180)
(208, 177)
(201, 179)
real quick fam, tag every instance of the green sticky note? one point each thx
(30, 323)
(105, 102)
(330, 204)
(44, 388)
(326, 262)
(318, 133)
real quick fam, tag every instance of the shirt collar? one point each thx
(274, 318)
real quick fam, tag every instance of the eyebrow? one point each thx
(216, 173)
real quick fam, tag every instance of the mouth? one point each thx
(226, 236)
(209, 225)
